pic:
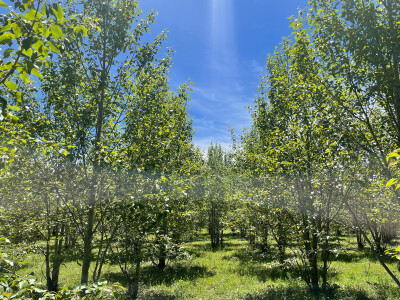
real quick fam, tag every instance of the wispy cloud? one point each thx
(215, 110)
(223, 48)
(221, 45)
(219, 101)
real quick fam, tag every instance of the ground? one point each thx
(238, 271)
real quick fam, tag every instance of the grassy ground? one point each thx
(237, 271)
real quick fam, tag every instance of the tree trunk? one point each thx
(314, 260)
(264, 239)
(242, 233)
(213, 228)
(87, 247)
(162, 257)
(133, 284)
(325, 259)
(133, 289)
(360, 243)
(281, 243)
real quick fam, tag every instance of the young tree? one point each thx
(90, 97)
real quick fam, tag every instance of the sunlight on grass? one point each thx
(238, 271)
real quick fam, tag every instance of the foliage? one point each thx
(98, 165)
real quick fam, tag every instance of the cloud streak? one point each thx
(215, 110)
(223, 51)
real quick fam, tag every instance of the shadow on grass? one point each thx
(156, 295)
(353, 256)
(263, 273)
(253, 263)
(199, 249)
(246, 255)
(303, 293)
(282, 293)
(151, 275)
(264, 265)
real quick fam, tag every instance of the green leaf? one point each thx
(11, 263)
(30, 15)
(391, 182)
(14, 108)
(43, 9)
(37, 45)
(38, 290)
(80, 28)
(2, 4)
(5, 27)
(6, 38)
(8, 52)
(60, 14)
(16, 30)
(393, 154)
(19, 96)
(23, 75)
(56, 32)
(28, 52)
(37, 73)
(53, 47)
(11, 85)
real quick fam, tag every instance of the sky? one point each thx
(221, 46)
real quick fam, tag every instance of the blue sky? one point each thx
(221, 45)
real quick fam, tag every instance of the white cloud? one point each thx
(215, 110)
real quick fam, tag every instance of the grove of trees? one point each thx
(98, 163)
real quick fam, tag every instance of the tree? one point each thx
(215, 184)
(115, 109)
(33, 31)
(297, 144)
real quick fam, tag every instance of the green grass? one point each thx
(237, 271)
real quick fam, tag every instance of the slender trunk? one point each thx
(281, 243)
(53, 284)
(101, 256)
(360, 243)
(325, 259)
(133, 289)
(264, 238)
(133, 285)
(379, 255)
(87, 246)
(100, 259)
(162, 256)
(49, 280)
(242, 233)
(88, 236)
(314, 258)
(213, 227)
(53, 264)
